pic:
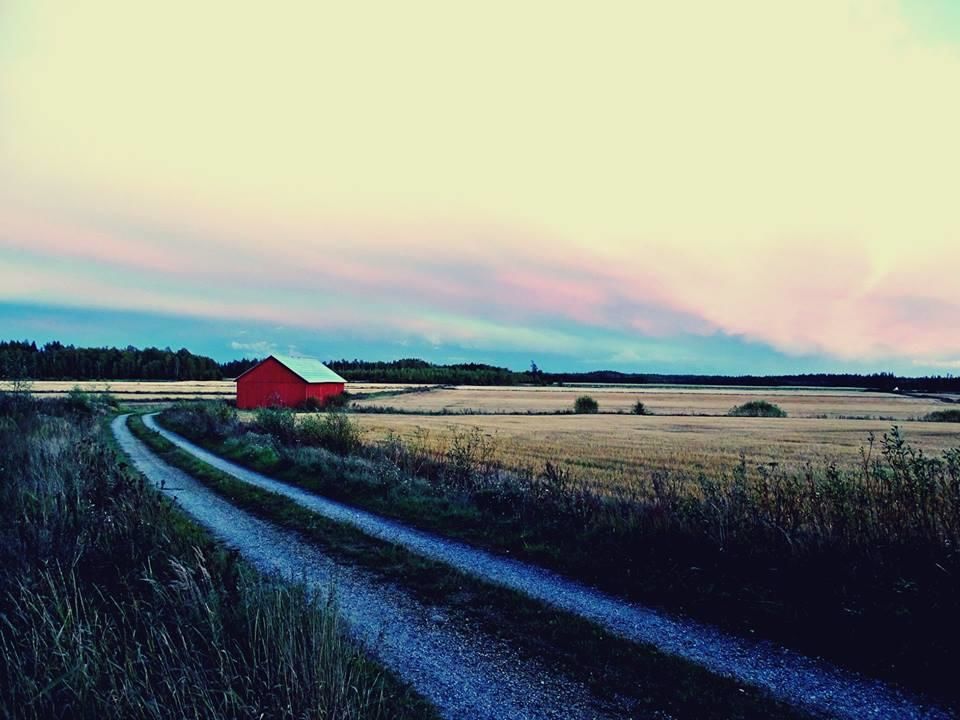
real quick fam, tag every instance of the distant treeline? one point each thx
(411, 370)
(875, 381)
(232, 368)
(420, 371)
(55, 361)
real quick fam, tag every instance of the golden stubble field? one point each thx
(799, 403)
(133, 390)
(616, 449)
(809, 403)
(157, 390)
(690, 434)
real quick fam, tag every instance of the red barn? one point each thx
(289, 381)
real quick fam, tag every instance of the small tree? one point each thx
(757, 408)
(585, 405)
(536, 374)
(640, 409)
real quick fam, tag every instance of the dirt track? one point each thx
(789, 676)
(464, 672)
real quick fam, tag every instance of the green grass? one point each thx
(114, 605)
(610, 665)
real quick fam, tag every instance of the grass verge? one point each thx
(114, 605)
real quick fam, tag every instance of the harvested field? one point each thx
(617, 448)
(663, 400)
(137, 390)
(156, 390)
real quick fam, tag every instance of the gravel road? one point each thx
(464, 672)
(794, 678)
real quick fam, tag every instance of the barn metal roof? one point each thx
(308, 369)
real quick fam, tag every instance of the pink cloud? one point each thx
(798, 294)
(34, 233)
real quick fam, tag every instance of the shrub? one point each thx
(943, 416)
(279, 422)
(258, 450)
(216, 419)
(757, 408)
(334, 402)
(80, 401)
(108, 399)
(639, 408)
(333, 431)
(310, 405)
(337, 402)
(585, 404)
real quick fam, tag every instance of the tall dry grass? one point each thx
(616, 450)
(112, 605)
(856, 562)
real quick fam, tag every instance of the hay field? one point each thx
(664, 400)
(617, 448)
(137, 390)
(158, 390)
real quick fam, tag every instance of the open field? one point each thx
(154, 390)
(664, 400)
(133, 390)
(614, 449)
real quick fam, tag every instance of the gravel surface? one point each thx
(464, 672)
(794, 678)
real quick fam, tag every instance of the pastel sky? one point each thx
(678, 186)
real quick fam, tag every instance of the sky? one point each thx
(679, 187)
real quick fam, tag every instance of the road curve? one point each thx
(787, 675)
(465, 673)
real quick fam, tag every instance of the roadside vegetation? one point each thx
(113, 605)
(858, 565)
(617, 670)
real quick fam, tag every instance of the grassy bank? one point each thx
(113, 605)
(614, 668)
(858, 566)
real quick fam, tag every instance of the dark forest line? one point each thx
(55, 361)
